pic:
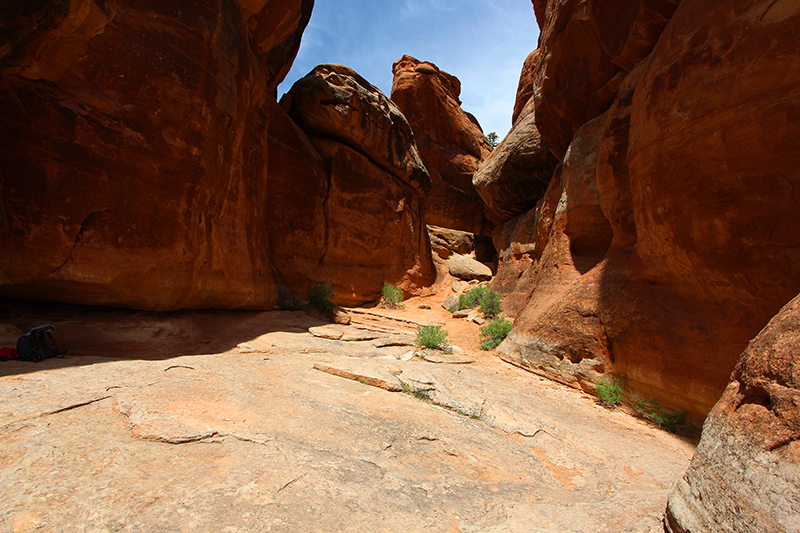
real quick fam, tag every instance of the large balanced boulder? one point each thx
(134, 150)
(335, 102)
(450, 141)
(745, 475)
(679, 242)
(355, 217)
(516, 174)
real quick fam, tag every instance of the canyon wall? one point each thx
(666, 237)
(450, 140)
(146, 163)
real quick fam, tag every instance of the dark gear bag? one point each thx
(38, 344)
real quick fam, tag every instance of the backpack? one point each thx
(38, 344)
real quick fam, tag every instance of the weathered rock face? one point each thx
(133, 163)
(334, 102)
(516, 174)
(450, 142)
(525, 87)
(666, 239)
(745, 475)
(353, 217)
(559, 332)
(586, 49)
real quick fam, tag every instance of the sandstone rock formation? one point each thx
(134, 153)
(745, 475)
(586, 49)
(516, 174)
(525, 87)
(334, 102)
(146, 163)
(450, 141)
(666, 239)
(356, 220)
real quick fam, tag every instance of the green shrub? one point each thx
(609, 391)
(320, 295)
(493, 333)
(490, 304)
(392, 296)
(672, 422)
(483, 298)
(473, 297)
(432, 337)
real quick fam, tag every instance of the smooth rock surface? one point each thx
(465, 267)
(586, 49)
(256, 439)
(515, 176)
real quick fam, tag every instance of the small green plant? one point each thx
(490, 304)
(672, 422)
(320, 295)
(391, 296)
(424, 395)
(609, 391)
(453, 308)
(432, 337)
(493, 333)
(473, 297)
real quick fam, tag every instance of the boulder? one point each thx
(450, 141)
(335, 102)
(465, 267)
(134, 152)
(446, 242)
(745, 475)
(516, 174)
(450, 302)
(586, 50)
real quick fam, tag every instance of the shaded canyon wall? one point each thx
(667, 235)
(146, 163)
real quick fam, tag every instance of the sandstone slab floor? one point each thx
(248, 434)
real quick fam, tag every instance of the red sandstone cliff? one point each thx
(145, 163)
(667, 237)
(450, 141)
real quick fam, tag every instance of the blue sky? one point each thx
(481, 42)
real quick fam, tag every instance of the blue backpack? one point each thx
(38, 344)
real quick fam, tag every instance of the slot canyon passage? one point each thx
(173, 216)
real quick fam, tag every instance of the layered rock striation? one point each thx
(450, 141)
(665, 239)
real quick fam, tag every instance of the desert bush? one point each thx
(609, 391)
(673, 422)
(493, 333)
(321, 296)
(432, 337)
(473, 297)
(391, 296)
(490, 304)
